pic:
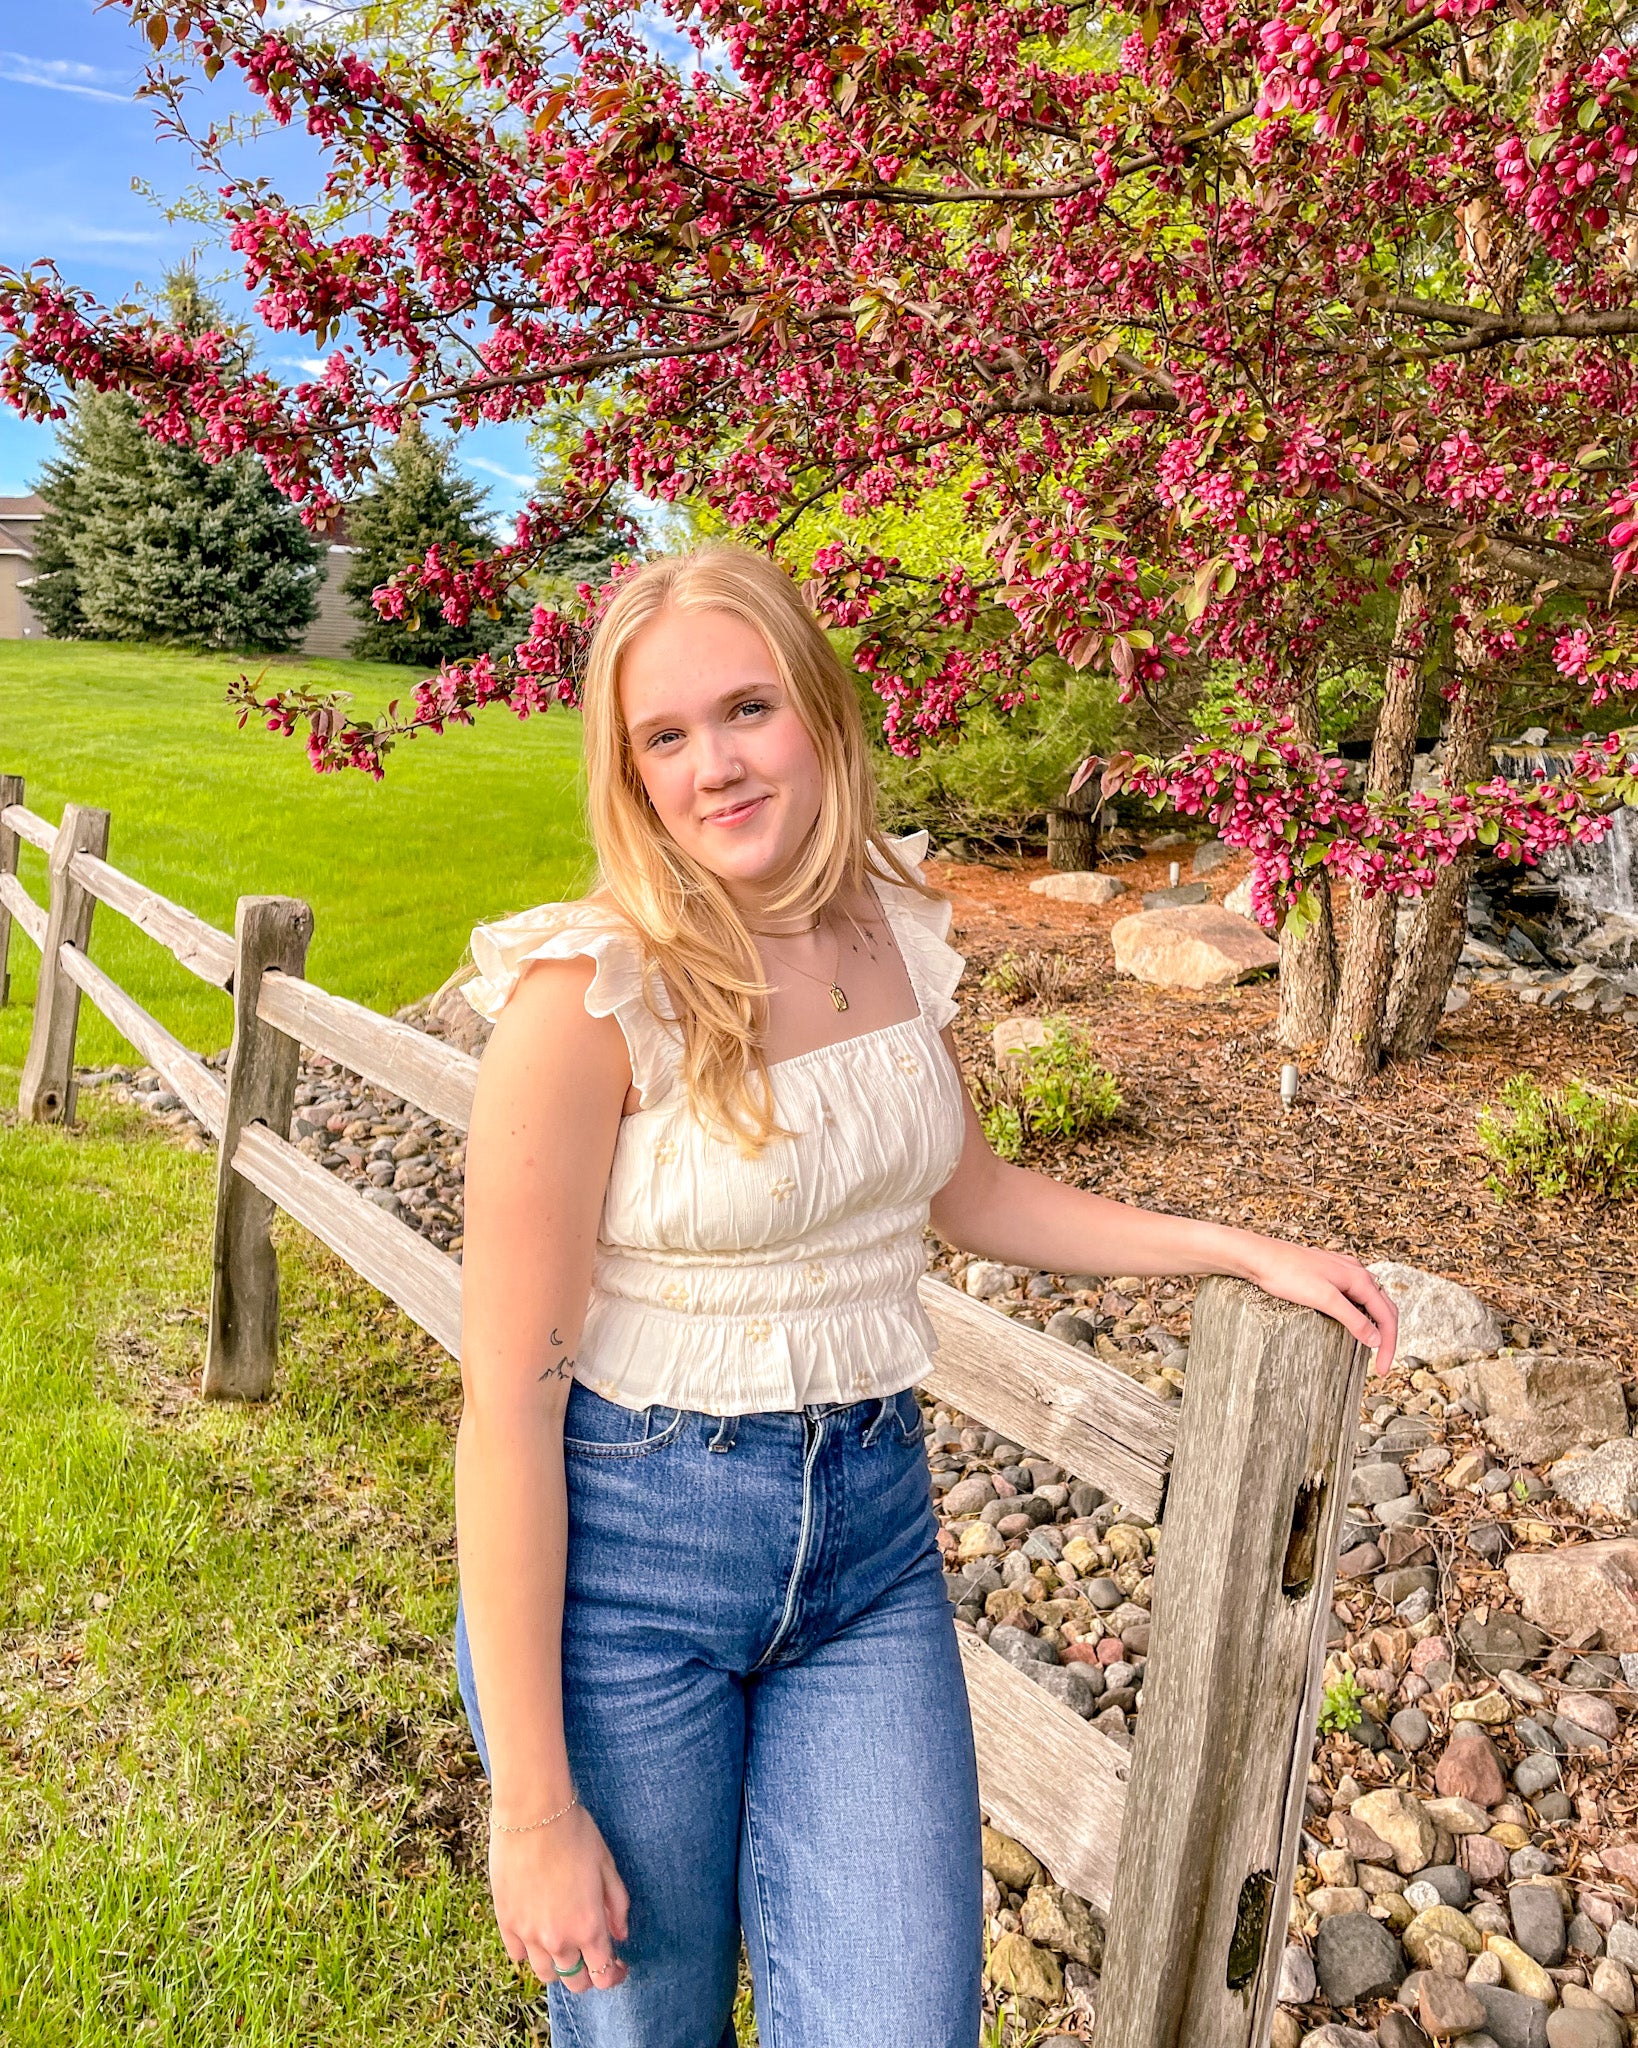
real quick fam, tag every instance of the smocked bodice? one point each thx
(734, 1284)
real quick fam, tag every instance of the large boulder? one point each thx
(1079, 888)
(1198, 945)
(1537, 1405)
(1439, 1322)
(1582, 1586)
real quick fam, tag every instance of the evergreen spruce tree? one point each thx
(147, 541)
(418, 497)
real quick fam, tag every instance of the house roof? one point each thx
(19, 519)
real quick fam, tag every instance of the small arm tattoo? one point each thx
(559, 1369)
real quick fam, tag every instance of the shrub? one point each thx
(1573, 1142)
(1056, 1090)
(1032, 977)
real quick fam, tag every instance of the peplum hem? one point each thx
(637, 1356)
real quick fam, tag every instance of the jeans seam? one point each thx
(803, 1538)
(768, 2036)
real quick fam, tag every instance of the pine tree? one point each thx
(144, 540)
(418, 498)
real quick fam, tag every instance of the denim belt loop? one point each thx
(878, 1421)
(726, 1434)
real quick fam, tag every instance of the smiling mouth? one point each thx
(735, 814)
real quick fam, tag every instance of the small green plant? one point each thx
(1576, 1142)
(1340, 1708)
(1004, 1128)
(1056, 1090)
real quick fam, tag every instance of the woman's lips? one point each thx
(736, 814)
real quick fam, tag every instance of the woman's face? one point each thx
(727, 763)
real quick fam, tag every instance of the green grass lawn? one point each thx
(470, 825)
(237, 1792)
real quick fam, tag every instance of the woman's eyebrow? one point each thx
(661, 719)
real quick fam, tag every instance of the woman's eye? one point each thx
(752, 705)
(662, 739)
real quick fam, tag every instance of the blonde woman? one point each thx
(704, 1642)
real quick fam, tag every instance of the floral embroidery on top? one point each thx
(814, 1274)
(909, 1063)
(666, 1152)
(759, 1332)
(783, 1188)
(676, 1294)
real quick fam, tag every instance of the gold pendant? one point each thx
(837, 997)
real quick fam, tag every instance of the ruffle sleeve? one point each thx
(921, 924)
(621, 987)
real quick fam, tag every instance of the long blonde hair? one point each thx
(684, 919)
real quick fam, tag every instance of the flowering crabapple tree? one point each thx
(1224, 317)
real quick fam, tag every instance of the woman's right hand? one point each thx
(558, 1896)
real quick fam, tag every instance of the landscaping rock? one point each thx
(1501, 1642)
(1535, 1406)
(1356, 1957)
(1211, 855)
(1612, 1982)
(1445, 2007)
(1298, 1981)
(1584, 2026)
(1199, 946)
(1538, 1921)
(1056, 1919)
(1402, 1822)
(1079, 888)
(1521, 1972)
(1471, 1768)
(1399, 2030)
(1606, 1478)
(1582, 1586)
(1009, 1038)
(1182, 894)
(1017, 1965)
(1008, 1862)
(1439, 1321)
(1512, 2021)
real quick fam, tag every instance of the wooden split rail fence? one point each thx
(1186, 1843)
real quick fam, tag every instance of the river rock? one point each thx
(1017, 1965)
(1502, 1642)
(967, 1496)
(1512, 2021)
(1079, 888)
(1521, 1972)
(1606, 1478)
(1444, 1921)
(1056, 1919)
(1612, 1982)
(1471, 1768)
(1580, 1587)
(1399, 2030)
(1538, 1921)
(1439, 1321)
(1537, 1405)
(1008, 1862)
(1356, 1957)
(1402, 1822)
(1331, 2035)
(1193, 946)
(1584, 2027)
(1446, 2007)
(1298, 1982)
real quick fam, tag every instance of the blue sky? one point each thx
(75, 139)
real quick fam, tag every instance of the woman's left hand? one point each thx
(1332, 1282)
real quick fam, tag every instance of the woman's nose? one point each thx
(717, 762)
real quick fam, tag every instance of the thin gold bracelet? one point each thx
(500, 1827)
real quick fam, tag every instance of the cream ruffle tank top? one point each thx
(737, 1285)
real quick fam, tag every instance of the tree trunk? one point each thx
(1308, 966)
(1354, 1051)
(1416, 1002)
(1073, 829)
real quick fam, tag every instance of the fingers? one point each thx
(594, 1968)
(616, 1902)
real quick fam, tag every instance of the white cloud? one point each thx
(42, 231)
(58, 75)
(310, 366)
(510, 476)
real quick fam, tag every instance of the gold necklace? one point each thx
(838, 995)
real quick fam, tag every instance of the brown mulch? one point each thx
(1392, 1170)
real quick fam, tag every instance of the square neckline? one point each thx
(918, 1016)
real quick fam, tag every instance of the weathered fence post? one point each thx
(242, 1347)
(11, 792)
(1214, 1803)
(47, 1090)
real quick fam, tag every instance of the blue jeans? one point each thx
(766, 1717)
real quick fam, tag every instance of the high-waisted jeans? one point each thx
(766, 1717)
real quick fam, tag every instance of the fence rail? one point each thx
(1187, 1841)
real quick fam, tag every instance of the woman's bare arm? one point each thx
(1025, 1218)
(544, 1124)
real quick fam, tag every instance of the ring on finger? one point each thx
(602, 1969)
(574, 1968)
